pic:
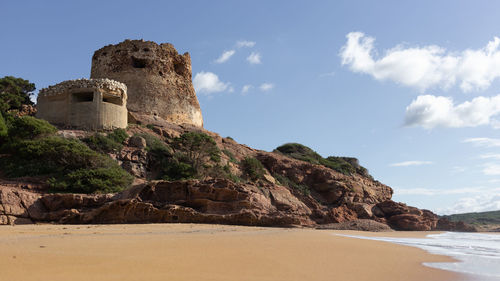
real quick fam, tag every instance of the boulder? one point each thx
(137, 141)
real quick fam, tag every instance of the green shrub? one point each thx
(107, 143)
(197, 146)
(252, 168)
(177, 167)
(219, 171)
(102, 143)
(100, 180)
(170, 165)
(300, 152)
(230, 155)
(118, 135)
(154, 144)
(192, 155)
(28, 127)
(69, 162)
(344, 165)
(285, 181)
(338, 164)
(3, 127)
(233, 178)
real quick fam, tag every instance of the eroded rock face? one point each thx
(446, 224)
(216, 201)
(158, 79)
(328, 186)
(211, 201)
(402, 217)
(348, 201)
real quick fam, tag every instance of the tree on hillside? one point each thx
(197, 147)
(14, 92)
(3, 129)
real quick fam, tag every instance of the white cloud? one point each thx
(246, 88)
(431, 111)
(266, 87)
(490, 156)
(410, 163)
(208, 82)
(424, 67)
(328, 74)
(491, 169)
(432, 192)
(226, 55)
(483, 142)
(458, 170)
(254, 58)
(245, 43)
(480, 203)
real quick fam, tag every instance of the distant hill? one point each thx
(484, 221)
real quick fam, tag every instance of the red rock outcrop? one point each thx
(328, 186)
(446, 224)
(212, 201)
(331, 197)
(402, 217)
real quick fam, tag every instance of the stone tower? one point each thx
(158, 79)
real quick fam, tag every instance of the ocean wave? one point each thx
(478, 253)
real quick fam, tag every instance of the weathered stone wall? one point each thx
(85, 103)
(157, 77)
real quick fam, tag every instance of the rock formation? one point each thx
(335, 200)
(158, 79)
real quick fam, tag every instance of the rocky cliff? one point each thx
(290, 192)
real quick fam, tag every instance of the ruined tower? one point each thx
(158, 79)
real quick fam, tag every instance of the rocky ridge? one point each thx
(333, 197)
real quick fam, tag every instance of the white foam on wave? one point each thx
(478, 253)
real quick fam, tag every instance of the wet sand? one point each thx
(207, 252)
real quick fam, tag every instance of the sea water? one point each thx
(478, 253)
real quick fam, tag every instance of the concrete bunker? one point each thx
(85, 103)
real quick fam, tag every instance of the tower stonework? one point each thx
(158, 79)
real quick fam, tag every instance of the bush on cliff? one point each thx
(198, 147)
(191, 155)
(107, 143)
(252, 168)
(196, 155)
(3, 127)
(285, 181)
(169, 166)
(155, 145)
(118, 135)
(108, 179)
(72, 166)
(344, 165)
(28, 127)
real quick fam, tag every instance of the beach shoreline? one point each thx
(209, 252)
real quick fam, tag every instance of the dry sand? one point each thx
(207, 252)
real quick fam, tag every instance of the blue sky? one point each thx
(411, 89)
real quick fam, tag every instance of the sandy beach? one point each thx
(207, 252)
